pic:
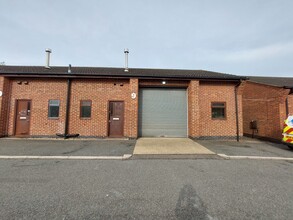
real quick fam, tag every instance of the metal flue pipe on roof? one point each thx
(126, 51)
(48, 51)
(69, 68)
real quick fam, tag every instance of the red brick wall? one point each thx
(218, 92)
(200, 96)
(132, 109)
(39, 91)
(99, 91)
(266, 105)
(193, 109)
(4, 99)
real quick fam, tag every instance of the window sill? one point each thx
(222, 119)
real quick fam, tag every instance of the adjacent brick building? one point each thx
(111, 102)
(267, 101)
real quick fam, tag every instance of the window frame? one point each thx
(225, 110)
(54, 118)
(80, 109)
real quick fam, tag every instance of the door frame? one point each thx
(15, 115)
(108, 117)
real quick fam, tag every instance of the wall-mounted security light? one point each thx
(163, 82)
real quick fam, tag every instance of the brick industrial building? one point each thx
(267, 101)
(116, 102)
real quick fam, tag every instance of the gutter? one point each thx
(106, 75)
(122, 77)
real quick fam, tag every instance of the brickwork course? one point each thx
(102, 85)
(268, 101)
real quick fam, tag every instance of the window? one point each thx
(218, 110)
(85, 108)
(54, 108)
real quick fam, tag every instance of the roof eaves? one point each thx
(52, 74)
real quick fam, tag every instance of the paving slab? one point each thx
(176, 156)
(169, 146)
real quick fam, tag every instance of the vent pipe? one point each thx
(69, 68)
(48, 51)
(126, 51)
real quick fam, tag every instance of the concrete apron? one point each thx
(170, 148)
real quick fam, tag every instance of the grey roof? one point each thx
(116, 72)
(273, 81)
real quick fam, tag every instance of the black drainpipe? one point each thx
(67, 108)
(236, 108)
(66, 135)
(287, 102)
(287, 107)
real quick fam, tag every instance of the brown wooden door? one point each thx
(23, 110)
(116, 118)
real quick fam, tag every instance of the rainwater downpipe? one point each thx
(67, 108)
(67, 111)
(236, 110)
(287, 101)
(287, 107)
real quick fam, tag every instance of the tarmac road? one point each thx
(146, 189)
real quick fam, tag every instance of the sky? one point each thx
(251, 37)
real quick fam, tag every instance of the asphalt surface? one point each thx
(247, 147)
(53, 147)
(146, 189)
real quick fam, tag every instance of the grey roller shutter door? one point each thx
(162, 112)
